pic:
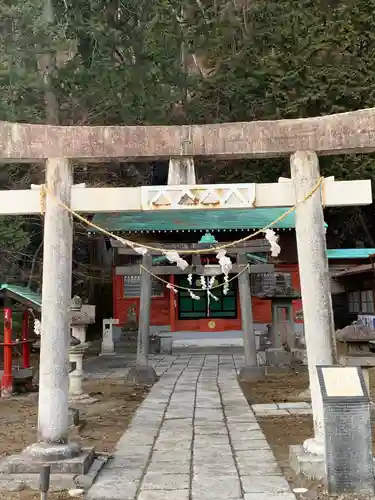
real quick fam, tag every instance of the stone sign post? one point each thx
(348, 441)
(108, 346)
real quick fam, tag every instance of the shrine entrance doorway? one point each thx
(216, 312)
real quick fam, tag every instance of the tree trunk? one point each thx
(48, 67)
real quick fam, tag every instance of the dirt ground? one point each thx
(281, 432)
(101, 426)
(277, 388)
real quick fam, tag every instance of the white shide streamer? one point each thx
(273, 239)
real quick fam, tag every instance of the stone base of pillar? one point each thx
(63, 459)
(50, 452)
(142, 374)
(107, 352)
(251, 373)
(19, 472)
(306, 464)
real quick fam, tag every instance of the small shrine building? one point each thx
(202, 229)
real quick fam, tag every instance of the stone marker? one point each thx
(108, 346)
(347, 430)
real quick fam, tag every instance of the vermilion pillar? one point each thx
(25, 338)
(172, 307)
(7, 379)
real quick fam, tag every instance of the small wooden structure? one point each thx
(354, 339)
(354, 347)
(22, 299)
(282, 295)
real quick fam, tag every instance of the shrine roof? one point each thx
(350, 253)
(193, 220)
(23, 295)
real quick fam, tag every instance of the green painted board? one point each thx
(193, 220)
(350, 253)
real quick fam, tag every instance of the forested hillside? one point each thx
(173, 62)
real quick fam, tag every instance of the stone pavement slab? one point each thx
(193, 438)
(164, 495)
(282, 409)
(216, 488)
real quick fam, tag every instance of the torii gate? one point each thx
(303, 139)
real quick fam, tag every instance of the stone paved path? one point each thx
(118, 366)
(282, 409)
(193, 438)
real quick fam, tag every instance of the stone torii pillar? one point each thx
(315, 287)
(53, 412)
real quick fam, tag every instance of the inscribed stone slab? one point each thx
(343, 382)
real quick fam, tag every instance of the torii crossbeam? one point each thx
(145, 198)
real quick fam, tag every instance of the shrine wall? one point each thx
(160, 308)
(159, 315)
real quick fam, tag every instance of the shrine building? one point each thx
(201, 229)
(272, 279)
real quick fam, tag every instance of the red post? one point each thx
(7, 379)
(25, 336)
(172, 306)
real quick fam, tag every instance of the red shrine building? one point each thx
(178, 312)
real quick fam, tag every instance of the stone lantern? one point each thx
(78, 348)
(79, 319)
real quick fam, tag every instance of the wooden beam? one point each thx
(354, 132)
(231, 251)
(262, 268)
(250, 246)
(134, 270)
(101, 200)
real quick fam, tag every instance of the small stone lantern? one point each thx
(78, 347)
(79, 319)
(353, 347)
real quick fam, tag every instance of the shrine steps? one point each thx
(226, 342)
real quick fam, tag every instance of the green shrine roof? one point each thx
(350, 253)
(23, 295)
(193, 220)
